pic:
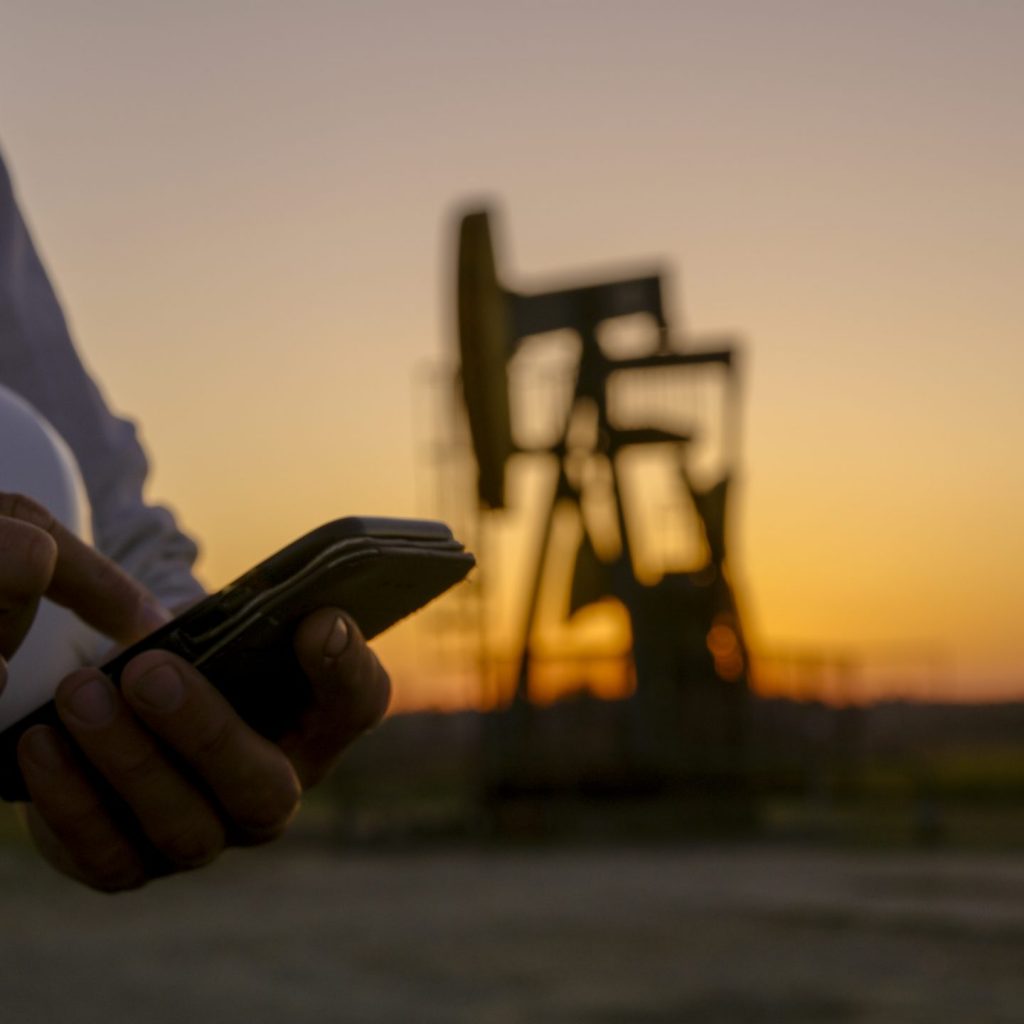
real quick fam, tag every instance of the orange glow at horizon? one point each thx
(255, 261)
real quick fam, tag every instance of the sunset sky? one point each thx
(247, 206)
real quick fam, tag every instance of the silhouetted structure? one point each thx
(684, 723)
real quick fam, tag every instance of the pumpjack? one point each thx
(684, 723)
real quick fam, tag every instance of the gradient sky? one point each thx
(246, 208)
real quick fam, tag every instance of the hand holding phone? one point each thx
(160, 774)
(377, 570)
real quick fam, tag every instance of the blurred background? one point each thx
(252, 213)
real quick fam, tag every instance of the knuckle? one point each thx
(192, 844)
(139, 764)
(214, 738)
(270, 807)
(113, 868)
(70, 817)
(383, 694)
(376, 698)
(20, 506)
(30, 557)
(40, 552)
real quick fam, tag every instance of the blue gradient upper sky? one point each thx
(245, 206)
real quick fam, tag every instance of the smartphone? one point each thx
(377, 570)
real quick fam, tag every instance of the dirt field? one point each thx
(746, 934)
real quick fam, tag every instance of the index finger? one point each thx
(98, 590)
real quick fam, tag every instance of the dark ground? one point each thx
(719, 934)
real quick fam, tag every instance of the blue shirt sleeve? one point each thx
(38, 361)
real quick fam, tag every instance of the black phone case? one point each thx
(377, 570)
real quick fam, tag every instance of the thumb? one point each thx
(350, 691)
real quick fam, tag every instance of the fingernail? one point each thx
(337, 639)
(93, 702)
(160, 688)
(42, 748)
(153, 616)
